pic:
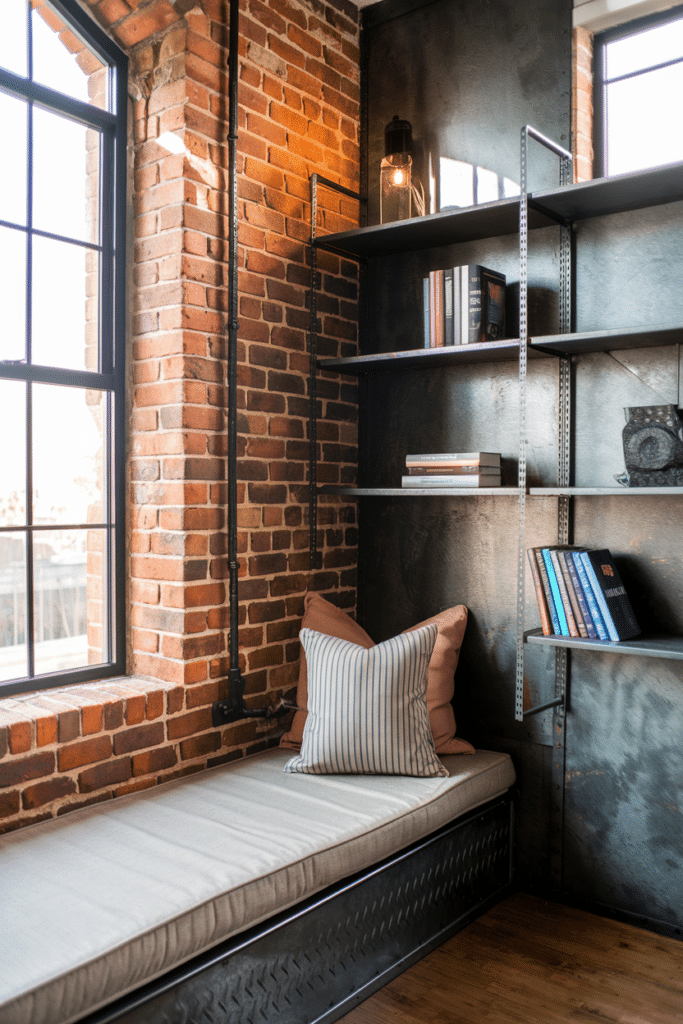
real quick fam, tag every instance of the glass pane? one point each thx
(13, 453)
(13, 43)
(13, 649)
(644, 50)
(64, 305)
(63, 62)
(13, 294)
(639, 121)
(13, 117)
(65, 177)
(68, 455)
(67, 569)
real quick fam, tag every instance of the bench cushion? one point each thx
(106, 898)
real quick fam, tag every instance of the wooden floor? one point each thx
(531, 962)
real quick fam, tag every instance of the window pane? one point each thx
(13, 650)
(68, 455)
(67, 569)
(64, 305)
(639, 130)
(63, 153)
(644, 50)
(13, 448)
(63, 62)
(13, 45)
(13, 294)
(13, 172)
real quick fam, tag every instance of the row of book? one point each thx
(580, 594)
(453, 469)
(463, 306)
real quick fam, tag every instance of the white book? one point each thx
(451, 460)
(452, 480)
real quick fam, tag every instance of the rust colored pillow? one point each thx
(440, 683)
(325, 617)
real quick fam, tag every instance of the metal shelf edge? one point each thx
(649, 645)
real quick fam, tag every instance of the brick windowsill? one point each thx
(65, 748)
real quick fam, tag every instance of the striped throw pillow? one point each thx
(367, 713)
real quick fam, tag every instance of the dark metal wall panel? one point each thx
(468, 75)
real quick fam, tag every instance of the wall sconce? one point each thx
(401, 194)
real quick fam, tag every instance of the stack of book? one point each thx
(463, 305)
(580, 594)
(454, 469)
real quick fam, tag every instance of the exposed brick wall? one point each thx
(582, 103)
(299, 113)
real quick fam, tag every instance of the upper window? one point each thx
(62, 220)
(638, 84)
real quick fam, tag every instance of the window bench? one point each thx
(247, 894)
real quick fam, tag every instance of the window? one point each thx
(62, 251)
(638, 84)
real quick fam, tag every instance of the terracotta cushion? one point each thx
(324, 617)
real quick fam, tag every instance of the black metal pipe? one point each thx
(235, 680)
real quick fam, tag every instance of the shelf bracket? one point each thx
(544, 707)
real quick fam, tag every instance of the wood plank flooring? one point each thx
(532, 962)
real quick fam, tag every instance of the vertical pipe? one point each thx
(312, 387)
(235, 680)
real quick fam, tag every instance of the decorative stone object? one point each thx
(653, 447)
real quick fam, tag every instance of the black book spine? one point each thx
(614, 594)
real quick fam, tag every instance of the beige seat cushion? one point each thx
(111, 896)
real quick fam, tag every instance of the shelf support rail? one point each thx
(558, 703)
(315, 181)
(565, 158)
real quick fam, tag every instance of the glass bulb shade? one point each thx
(401, 195)
(394, 189)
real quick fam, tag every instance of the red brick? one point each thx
(13, 772)
(104, 775)
(86, 752)
(152, 761)
(45, 792)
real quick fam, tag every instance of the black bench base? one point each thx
(313, 963)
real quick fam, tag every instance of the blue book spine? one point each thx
(600, 599)
(557, 597)
(580, 596)
(588, 594)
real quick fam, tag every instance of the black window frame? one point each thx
(600, 39)
(110, 380)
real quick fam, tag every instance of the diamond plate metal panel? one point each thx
(312, 965)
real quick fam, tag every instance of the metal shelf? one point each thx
(413, 492)
(568, 203)
(489, 220)
(648, 646)
(608, 341)
(604, 492)
(448, 355)
(623, 192)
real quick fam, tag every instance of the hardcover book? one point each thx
(479, 303)
(555, 590)
(546, 621)
(587, 589)
(454, 459)
(622, 623)
(429, 470)
(564, 596)
(452, 480)
(550, 601)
